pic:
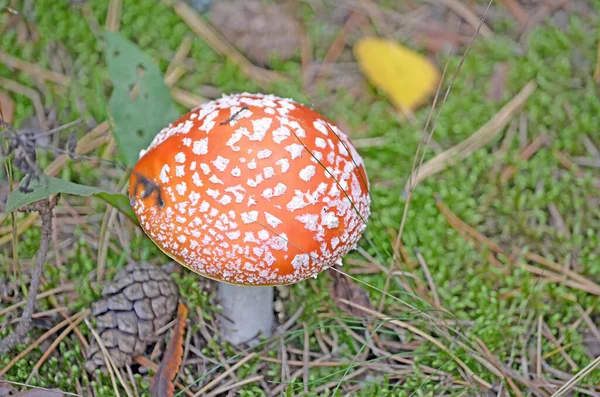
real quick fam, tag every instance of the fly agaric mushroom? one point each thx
(252, 191)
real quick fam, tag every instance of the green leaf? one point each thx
(45, 187)
(48, 185)
(120, 202)
(137, 120)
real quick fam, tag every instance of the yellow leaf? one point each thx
(406, 76)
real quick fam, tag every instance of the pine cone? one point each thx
(256, 28)
(140, 300)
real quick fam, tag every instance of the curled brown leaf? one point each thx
(162, 382)
(344, 288)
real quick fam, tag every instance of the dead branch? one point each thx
(44, 207)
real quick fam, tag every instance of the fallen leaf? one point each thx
(140, 104)
(260, 30)
(344, 288)
(5, 389)
(7, 107)
(406, 76)
(162, 382)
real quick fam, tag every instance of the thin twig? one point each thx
(44, 207)
(484, 135)
(33, 69)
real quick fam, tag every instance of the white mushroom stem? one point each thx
(247, 313)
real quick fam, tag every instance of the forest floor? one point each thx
(496, 288)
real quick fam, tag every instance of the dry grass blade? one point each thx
(561, 349)
(219, 378)
(497, 366)
(575, 379)
(30, 93)
(107, 359)
(33, 69)
(174, 69)
(337, 46)
(281, 387)
(527, 152)
(219, 44)
(37, 342)
(429, 278)
(113, 17)
(7, 108)
(305, 372)
(515, 8)
(62, 393)
(597, 69)
(560, 269)
(54, 344)
(90, 141)
(162, 382)
(465, 13)
(110, 364)
(110, 216)
(562, 276)
(425, 336)
(310, 364)
(57, 290)
(589, 322)
(428, 134)
(481, 137)
(223, 389)
(186, 98)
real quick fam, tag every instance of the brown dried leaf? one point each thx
(258, 29)
(162, 382)
(344, 288)
(7, 108)
(5, 389)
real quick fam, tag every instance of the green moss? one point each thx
(500, 303)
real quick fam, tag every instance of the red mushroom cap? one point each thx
(252, 189)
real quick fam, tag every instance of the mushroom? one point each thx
(253, 191)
